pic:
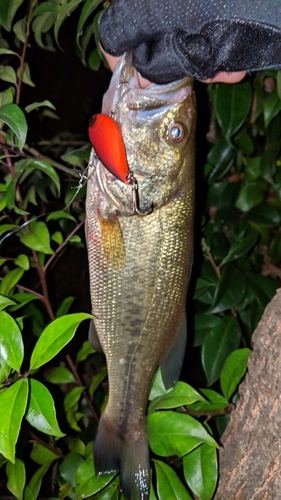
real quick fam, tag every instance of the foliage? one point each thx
(235, 277)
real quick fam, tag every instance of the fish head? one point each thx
(158, 127)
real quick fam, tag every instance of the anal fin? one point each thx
(93, 337)
(172, 363)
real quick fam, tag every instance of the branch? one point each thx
(23, 54)
(62, 245)
(78, 380)
(50, 447)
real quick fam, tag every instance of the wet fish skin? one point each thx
(140, 266)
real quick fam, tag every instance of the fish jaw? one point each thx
(139, 272)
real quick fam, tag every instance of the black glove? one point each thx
(175, 38)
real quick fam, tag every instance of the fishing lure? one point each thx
(107, 141)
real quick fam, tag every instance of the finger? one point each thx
(112, 61)
(224, 77)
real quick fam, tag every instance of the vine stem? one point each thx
(210, 258)
(62, 245)
(208, 414)
(23, 54)
(79, 382)
(54, 449)
(34, 152)
(28, 290)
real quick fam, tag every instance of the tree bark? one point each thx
(250, 459)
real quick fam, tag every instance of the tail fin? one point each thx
(113, 453)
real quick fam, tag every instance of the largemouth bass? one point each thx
(140, 264)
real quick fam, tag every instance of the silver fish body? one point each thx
(140, 265)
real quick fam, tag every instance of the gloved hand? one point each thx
(175, 38)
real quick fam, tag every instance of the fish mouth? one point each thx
(116, 195)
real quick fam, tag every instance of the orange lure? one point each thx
(107, 141)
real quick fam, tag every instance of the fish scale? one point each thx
(140, 266)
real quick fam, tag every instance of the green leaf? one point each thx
(232, 104)
(7, 51)
(65, 306)
(262, 287)
(16, 478)
(22, 298)
(34, 485)
(22, 261)
(7, 96)
(55, 337)
(7, 12)
(170, 433)
(60, 214)
(5, 302)
(13, 116)
(217, 346)
(221, 157)
(42, 24)
(10, 280)
(41, 412)
(233, 370)
(48, 170)
(36, 105)
(57, 237)
(200, 468)
(181, 394)
(250, 195)
(240, 247)
(11, 344)
(230, 289)
(169, 485)
(12, 407)
(97, 380)
(8, 74)
(94, 60)
(244, 142)
(268, 160)
(65, 11)
(61, 375)
(77, 446)
(87, 482)
(216, 401)
(201, 287)
(88, 8)
(42, 455)
(72, 397)
(85, 351)
(203, 324)
(19, 28)
(5, 370)
(111, 492)
(272, 106)
(264, 214)
(158, 388)
(26, 78)
(38, 239)
(69, 466)
(44, 7)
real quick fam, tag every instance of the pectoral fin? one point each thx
(172, 363)
(112, 242)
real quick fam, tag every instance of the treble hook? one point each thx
(135, 199)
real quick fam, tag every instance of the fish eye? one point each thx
(176, 132)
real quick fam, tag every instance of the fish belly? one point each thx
(139, 272)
